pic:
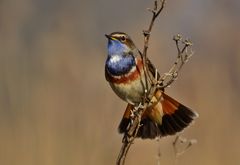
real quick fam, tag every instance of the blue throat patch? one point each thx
(123, 63)
(120, 67)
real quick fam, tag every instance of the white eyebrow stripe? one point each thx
(118, 35)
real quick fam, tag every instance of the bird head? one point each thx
(119, 43)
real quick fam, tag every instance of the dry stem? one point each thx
(155, 13)
(183, 56)
(164, 81)
(137, 113)
(131, 134)
(185, 143)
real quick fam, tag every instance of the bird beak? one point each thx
(108, 36)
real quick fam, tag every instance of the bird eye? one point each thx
(123, 38)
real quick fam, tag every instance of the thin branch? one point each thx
(155, 83)
(155, 13)
(138, 111)
(131, 134)
(184, 144)
(158, 152)
(182, 57)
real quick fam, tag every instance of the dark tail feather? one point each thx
(149, 129)
(174, 118)
(124, 124)
(176, 122)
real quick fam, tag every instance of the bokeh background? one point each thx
(56, 107)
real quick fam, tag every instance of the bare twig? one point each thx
(181, 145)
(182, 57)
(158, 152)
(131, 133)
(138, 111)
(155, 83)
(155, 13)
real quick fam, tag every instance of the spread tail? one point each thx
(165, 117)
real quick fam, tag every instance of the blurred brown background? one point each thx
(56, 107)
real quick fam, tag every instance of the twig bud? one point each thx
(177, 37)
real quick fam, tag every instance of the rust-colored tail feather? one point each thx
(174, 119)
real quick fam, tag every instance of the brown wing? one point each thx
(152, 69)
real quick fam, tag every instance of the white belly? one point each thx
(131, 92)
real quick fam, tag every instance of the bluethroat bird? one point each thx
(125, 73)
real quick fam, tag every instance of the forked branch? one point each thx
(183, 56)
(181, 145)
(155, 83)
(155, 13)
(131, 134)
(137, 112)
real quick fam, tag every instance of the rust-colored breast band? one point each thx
(128, 77)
